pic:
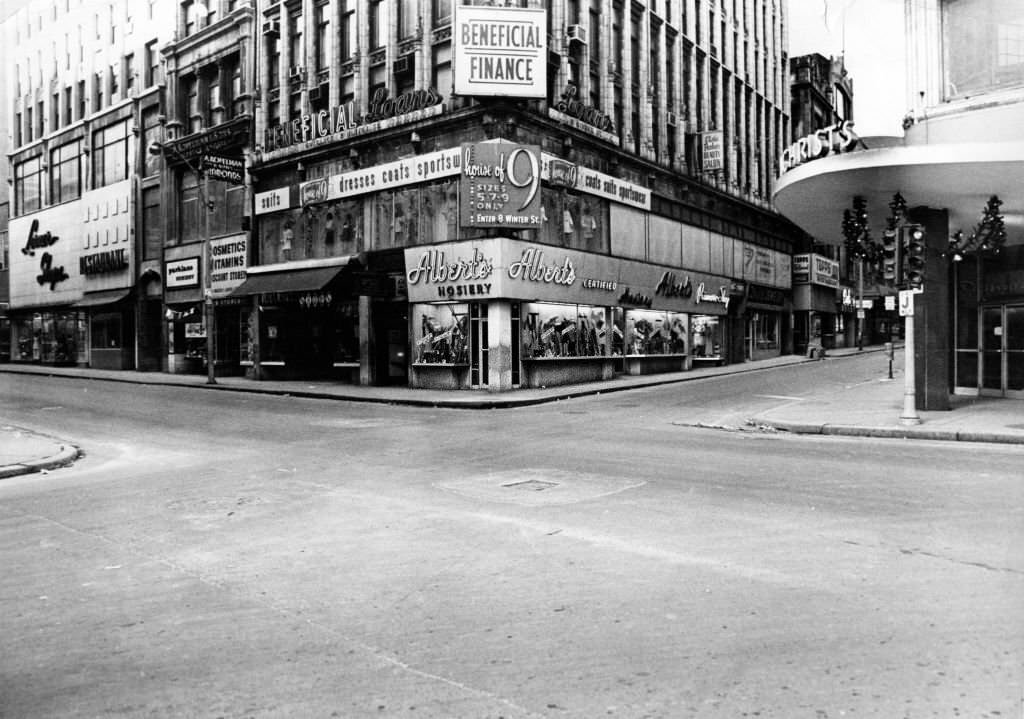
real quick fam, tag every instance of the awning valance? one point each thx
(104, 297)
(310, 279)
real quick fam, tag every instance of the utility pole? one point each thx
(211, 370)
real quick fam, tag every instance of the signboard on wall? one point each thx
(801, 269)
(228, 263)
(500, 185)
(182, 273)
(711, 150)
(516, 269)
(61, 252)
(824, 271)
(500, 51)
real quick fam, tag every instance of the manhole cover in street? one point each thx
(539, 486)
(533, 485)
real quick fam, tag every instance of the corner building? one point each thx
(596, 203)
(961, 155)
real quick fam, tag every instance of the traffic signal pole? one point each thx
(909, 415)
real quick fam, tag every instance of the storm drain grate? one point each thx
(531, 485)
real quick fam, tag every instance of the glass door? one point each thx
(1013, 340)
(478, 369)
(1003, 351)
(992, 351)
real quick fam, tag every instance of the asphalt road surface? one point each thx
(219, 554)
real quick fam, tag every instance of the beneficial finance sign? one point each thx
(500, 51)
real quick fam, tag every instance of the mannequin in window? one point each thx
(588, 225)
(286, 240)
(329, 229)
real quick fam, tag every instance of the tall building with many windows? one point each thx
(516, 194)
(80, 79)
(483, 195)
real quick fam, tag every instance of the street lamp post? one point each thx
(159, 148)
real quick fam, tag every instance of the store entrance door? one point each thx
(1002, 351)
(391, 327)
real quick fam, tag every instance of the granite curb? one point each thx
(66, 455)
(916, 432)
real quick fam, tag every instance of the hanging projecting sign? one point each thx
(500, 185)
(221, 167)
(500, 51)
(228, 264)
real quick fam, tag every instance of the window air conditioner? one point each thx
(576, 33)
(272, 28)
(403, 64)
(672, 120)
(296, 72)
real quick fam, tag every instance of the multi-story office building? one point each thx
(82, 83)
(960, 169)
(532, 194)
(204, 139)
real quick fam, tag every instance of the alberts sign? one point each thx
(500, 51)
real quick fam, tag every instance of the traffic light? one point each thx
(913, 263)
(890, 255)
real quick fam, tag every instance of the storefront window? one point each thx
(346, 333)
(708, 336)
(106, 331)
(419, 215)
(53, 338)
(766, 330)
(330, 229)
(550, 330)
(571, 220)
(440, 333)
(652, 332)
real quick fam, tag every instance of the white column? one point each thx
(499, 345)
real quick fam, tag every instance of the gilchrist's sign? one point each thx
(500, 185)
(835, 139)
(500, 51)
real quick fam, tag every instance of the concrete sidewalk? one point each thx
(866, 410)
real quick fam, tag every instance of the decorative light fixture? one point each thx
(987, 237)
